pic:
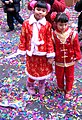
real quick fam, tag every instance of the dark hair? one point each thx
(61, 17)
(41, 4)
(51, 2)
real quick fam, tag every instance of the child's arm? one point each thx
(5, 1)
(22, 45)
(11, 1)
(50, 60)
(50, 44)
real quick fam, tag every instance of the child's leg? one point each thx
(30, 86)
(10, 21)
(69, 73)
(41, 86)
(18, 17)
(60, 77)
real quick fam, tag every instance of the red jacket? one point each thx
(44, 34)
(67, 48)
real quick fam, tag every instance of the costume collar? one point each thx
(33, 20)
(63, 36)
(61, 32)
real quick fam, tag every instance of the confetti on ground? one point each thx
(15, 102)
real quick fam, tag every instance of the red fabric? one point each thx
(58, 6)
(28, 6)
(30, 80)
(38, 66)
(26, 35)
(68, 73)
(71, 49)
(65, 54)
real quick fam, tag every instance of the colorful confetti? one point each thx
(15, 102)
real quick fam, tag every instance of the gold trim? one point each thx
(63, 36)
(64, 56)
(65, 64)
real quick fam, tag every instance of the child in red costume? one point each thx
(67, 52)
(36, 42)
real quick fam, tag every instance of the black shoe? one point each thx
(9, 30)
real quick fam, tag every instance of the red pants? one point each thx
(30, 80)
(68, 74)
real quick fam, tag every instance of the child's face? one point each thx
(39, 13)
(62, 26)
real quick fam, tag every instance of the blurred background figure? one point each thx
(78, 8)
(12, 8)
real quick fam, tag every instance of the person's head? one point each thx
(41, 9)
(61, 19)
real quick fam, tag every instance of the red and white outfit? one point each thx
(36, 42)
(67, 51)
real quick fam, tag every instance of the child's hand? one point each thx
(11, 1)
(51, 60)
(78, 61)
(7, 2)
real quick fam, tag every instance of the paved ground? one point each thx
(15, 102)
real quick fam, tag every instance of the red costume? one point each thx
(67, 50)
(36, 42)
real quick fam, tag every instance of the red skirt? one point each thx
(38, 67)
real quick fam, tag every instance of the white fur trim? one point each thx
(38, 78)
(29, 53)
(50, 55)
(21, 52)
(35, 40)
(33, 20)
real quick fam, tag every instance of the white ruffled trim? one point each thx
(21, 52)
(29, 53)
(38, 78)
(49, 55)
